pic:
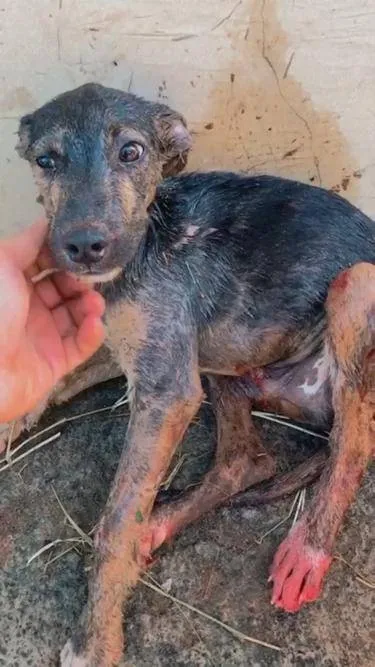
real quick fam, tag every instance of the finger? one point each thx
(54, 289)
(48, 293)
(14, 303)
(83, 343)
(45, 259)
(63, 321)
(24, 247)
(43, 262)
(89, 303)
(68, 285)
(69, 316)
(32, 270)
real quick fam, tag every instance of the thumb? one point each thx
(24, 248)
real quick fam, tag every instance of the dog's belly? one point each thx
(299, 386)
(301, 389)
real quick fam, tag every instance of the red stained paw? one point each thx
(156, 534)
(297, 571)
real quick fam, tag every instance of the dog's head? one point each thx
(98, 155)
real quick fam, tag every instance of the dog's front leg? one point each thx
(166, 393)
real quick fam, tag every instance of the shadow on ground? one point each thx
(216, 565)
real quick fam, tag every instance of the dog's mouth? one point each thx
(89, 277)
(93, 277)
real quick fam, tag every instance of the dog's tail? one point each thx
(284, 484)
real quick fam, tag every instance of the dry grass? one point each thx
(297, 507)
(8, 454)
(84, 536)
(81, 538)
(360, 577)
(235, 633)
(42, 275)
(285, 421)
(61, 554)
(84, 539)
(10, 458)
(51, 545)
(174, 472)
(4, 464)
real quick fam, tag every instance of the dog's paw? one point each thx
(297, 571)
(68, 657)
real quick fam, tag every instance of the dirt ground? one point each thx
(216, 565)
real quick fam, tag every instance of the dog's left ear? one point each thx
(24, 138)
(174, 140)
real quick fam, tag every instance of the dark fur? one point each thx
(88, 193)
(222, 274)
(281, 242)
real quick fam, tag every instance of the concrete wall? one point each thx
(278, 86)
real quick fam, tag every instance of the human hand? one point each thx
(46, 329)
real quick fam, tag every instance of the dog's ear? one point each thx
(24, 136)
(174, 139)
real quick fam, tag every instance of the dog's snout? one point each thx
(86, 246)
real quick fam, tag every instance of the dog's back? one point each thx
(273, 243)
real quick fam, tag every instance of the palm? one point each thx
(42, 346)
(51, 332)
(46, 330)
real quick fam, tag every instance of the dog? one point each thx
(264, 285)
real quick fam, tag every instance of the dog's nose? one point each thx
(86, 246)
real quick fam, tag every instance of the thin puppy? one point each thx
(265, 285)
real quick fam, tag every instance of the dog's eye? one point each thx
(45, 162)
(131, 152)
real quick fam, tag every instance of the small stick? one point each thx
(260, 539)
(236, 633)
(166, 484)
(30, 451)
(189, 621)
(123, 400)
(60, 422)
(42, 274)
(278, 420)
(300, 506)
(61, 555)
(8, 454)
(359, 576)
(50, 545)
(74, 525)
